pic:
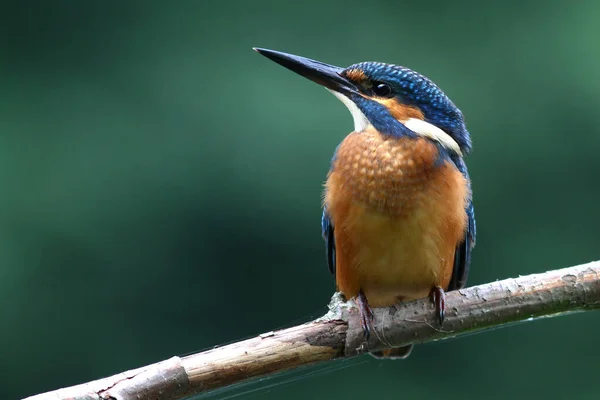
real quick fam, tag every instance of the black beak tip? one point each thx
(264, 52)
(287, 60)
(271, 54)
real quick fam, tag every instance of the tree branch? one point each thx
(339, 334)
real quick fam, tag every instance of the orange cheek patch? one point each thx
(400, 111)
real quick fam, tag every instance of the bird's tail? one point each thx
(396, 353)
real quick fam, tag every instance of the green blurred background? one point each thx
(161, 183)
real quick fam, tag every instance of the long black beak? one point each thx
(321, 73)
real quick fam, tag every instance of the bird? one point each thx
(398, 219)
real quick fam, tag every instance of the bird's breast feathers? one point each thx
(398, 211)
(393, 175)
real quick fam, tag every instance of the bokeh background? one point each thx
(161, 183)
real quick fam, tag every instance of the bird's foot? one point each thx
(439, 299)
(366, 314)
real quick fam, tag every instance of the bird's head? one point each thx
(393, 99)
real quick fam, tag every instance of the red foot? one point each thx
(366, 314)
(439, 299)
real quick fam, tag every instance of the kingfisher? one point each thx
(398, 218)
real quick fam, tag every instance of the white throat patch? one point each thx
(430, 131)
(360, 120)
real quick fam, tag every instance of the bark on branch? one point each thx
(338, 334)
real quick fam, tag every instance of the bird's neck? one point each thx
(396, 121)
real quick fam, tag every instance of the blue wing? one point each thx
(327, 232)
(462, 255)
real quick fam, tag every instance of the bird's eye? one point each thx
(382, 90)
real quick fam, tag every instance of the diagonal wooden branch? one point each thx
(339, 334)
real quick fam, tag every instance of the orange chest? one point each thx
(398, 212)
(392, 176)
